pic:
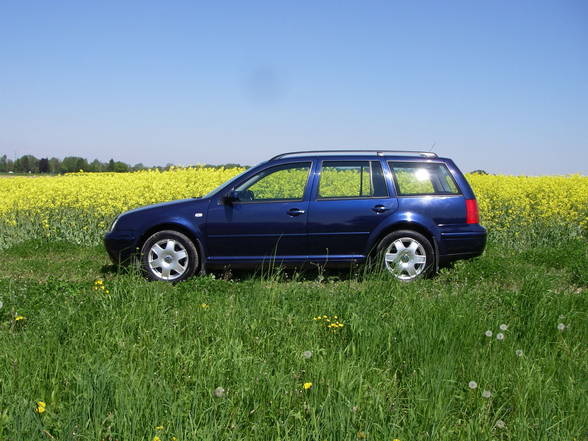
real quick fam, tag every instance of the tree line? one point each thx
(73, 164)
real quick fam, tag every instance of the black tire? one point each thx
(415, 247)
(169, 256)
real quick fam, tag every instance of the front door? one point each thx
(267, 219)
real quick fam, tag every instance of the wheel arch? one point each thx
(180, 228)
(406, 225)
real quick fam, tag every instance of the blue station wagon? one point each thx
(405, 212)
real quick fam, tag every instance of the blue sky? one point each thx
(498, 85)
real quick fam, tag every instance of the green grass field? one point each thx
(145, 360)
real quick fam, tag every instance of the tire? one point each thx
(405, 254)
(169, 256)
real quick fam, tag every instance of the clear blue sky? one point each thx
(498, 85)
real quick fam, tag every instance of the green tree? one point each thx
(54, 166)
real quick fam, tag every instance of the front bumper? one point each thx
(121, 246)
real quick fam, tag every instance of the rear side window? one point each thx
(416, 178)
(352, 179)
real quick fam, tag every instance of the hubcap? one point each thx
(168, 259)
(405, 258)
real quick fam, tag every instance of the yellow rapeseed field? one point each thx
(79, 206)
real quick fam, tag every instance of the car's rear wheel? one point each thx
(406, 254)
(169, 256)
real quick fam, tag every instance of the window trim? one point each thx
(318, 196)
(413, 195)
(274, 201)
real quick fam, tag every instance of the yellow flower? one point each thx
(204, 305)
(159, 428)
(19, 317)
(307, 386)
(40, 407)
(156, 438)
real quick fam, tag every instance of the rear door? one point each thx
(349, 200)
(268, 219)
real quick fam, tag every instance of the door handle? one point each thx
(379, 208)
(295, 212)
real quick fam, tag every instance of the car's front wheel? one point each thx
(406, 254)
(169, 256)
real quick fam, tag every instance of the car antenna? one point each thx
(433, 146)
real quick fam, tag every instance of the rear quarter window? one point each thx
(416, 178)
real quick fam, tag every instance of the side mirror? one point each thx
(231, 197)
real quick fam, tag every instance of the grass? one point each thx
(114, 366)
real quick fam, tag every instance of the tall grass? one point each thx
(116, 365)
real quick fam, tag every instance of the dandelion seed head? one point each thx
(472, 385)
(500, 424)
(503, 327)
(519, 352)
(500, 336)
(488, 333)
(486, 394)
(219, 392)
(561, 326)
(307, 354)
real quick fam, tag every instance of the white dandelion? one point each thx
(500, 336)
(519, 352)
(486, 394)
(503, 327)
(219, 392)
(488, 333)
(307, 354)
(500, 424)
(472, 385)
(561, 327)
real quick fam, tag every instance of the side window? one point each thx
(414, 178)
(352, 179)
(283, 182)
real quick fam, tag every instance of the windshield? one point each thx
(224, 184)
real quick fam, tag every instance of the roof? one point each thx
(429, 155)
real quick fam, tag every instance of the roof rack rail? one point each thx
(377, 152)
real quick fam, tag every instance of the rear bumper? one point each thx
(120, 245)
(462, 243)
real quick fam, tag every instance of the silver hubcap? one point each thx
(168, 259)
(405, 258)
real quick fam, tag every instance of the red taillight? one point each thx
(472, 212)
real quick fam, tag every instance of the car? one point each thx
(404, 212)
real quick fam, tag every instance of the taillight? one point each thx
(472, 212)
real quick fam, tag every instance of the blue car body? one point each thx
(312, 229)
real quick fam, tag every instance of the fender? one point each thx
(191, 229)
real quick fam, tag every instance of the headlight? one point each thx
(114, 222)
